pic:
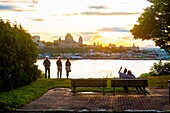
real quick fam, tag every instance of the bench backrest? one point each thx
(129, 82)
(88, 82)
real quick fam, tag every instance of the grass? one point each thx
(158, 81)
(23, 95)
(19, 97)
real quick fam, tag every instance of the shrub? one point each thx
(18, 55)
(158, 69)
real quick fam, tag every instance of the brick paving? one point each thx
(62, 99)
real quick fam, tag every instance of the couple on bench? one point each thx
(127, 75)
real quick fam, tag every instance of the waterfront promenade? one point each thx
(63, 100)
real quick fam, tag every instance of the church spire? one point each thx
(133, 44)
(80, 40)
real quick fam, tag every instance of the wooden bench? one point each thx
(136, 82)
(88, 83)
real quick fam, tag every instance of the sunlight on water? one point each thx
(99, 68)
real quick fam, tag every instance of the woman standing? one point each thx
(68, 67)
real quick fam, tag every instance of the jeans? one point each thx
(47, 70)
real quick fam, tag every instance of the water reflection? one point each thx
(88, 68)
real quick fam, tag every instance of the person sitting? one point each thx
(123, 75)
(130, 75)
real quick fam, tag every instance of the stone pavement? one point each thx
(62, 99)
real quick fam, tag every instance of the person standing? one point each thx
(68, 67)
(59, 67)
(47, 65)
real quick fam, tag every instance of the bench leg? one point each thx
(113, 90)
(144, 91)
(74, 90)
(103, 90)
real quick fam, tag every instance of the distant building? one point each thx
(69, 41)
(36, 39)
(69, 38)
(134, 48)
(80, 40)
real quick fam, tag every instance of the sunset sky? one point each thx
(103, 21)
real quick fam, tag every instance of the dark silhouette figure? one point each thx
(59, 67)
(68, 67)
(123, 75)
(47, 65)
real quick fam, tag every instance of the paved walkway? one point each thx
(61, 99)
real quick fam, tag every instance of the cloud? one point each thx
(39, 33)
(38, 19)
(18, 5)
(22, 10)
(92, 38)
(35, 1)
(54, 37)
(98, 7)
(6, 7)
(96, 37)
(14, 8)
(103, 13)
(108, 14)
(127, 38)
(87, 36)
(88, 33)
(31, 6)
(18, 1)
(114, 29)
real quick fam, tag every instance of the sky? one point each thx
(99, 21)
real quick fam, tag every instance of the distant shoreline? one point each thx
(99, 58)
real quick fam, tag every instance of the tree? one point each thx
(154, 24)
(18, 55)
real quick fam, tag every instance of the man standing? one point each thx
(47, 65)
(59, 67)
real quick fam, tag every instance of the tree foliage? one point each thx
(154, 24)
(18, 54)
(160, 68)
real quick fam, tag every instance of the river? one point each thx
(107, 68)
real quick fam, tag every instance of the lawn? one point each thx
(19, 97)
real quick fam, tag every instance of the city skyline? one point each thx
(103, 21)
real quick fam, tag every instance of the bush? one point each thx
(145, 75)
(158, 69)
(18, 55)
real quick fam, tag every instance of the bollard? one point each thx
(169, 88)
